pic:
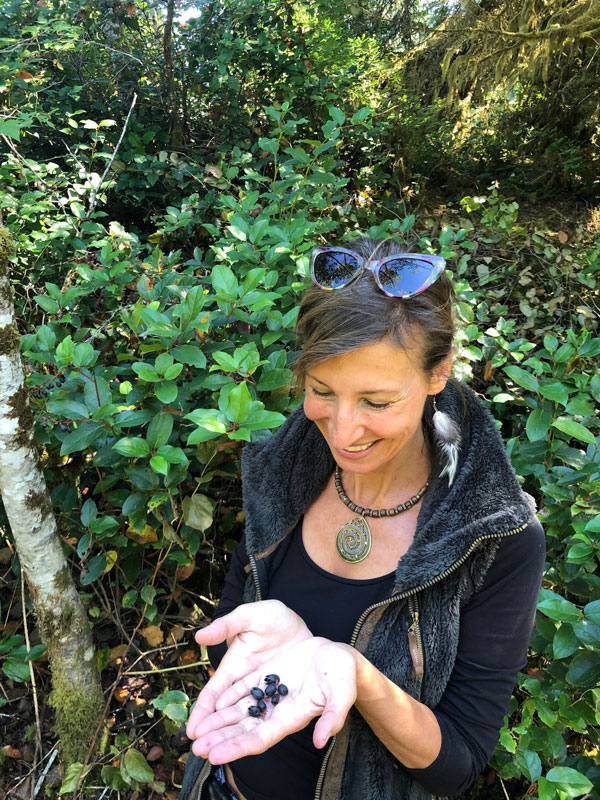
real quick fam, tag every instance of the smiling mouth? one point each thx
(360, 447)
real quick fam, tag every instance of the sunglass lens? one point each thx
(402, 277)
(334, 269)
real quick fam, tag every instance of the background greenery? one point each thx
(165, 180)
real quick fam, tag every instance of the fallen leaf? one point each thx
(176, 633)
(116, 654)
(488, 371)
(154, 754)
(185, 570)
(153, 635)
(121, 694)
(10, 752)
(188, 657)
(563, 237)
(23, 75)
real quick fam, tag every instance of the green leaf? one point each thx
(595, 386)
(529, 763)
(80, 438)
(569, 781)
(166, 391)
(159, 430)
(337, 115)
(584, 670)
(224, 282)
(239, 403)
(96, 393)
(159, 464)
(176, 712)
(588, 632)
(72, 776)
(197, 512)
(172, 455)
(162, 362)
(190, 354)
(137, 767)
(538, 424)
(574, 430)
(48, 304)
(274, 379)
(170, 696)
(550, 342)
(546, 790)
(202, 435)
(89, 512)
(592, 611)
(555, 391)
(522, 377)
(70, 409)
(46, 338)
(65, 351)
(565, 643)
(16, 670)
(10, 128)
(132, 447)
(556, 607)
(94, 568)
(85, 355)
(145, 371)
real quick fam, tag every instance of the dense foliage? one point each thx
(164, 183)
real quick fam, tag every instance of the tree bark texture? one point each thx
(76, 695)
(176, 125)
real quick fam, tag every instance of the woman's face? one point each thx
(368, 405)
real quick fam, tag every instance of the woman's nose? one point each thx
(345, 427)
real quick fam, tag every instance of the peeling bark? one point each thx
(77, 694)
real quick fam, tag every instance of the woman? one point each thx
(390, 565)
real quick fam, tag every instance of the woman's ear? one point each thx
(441, 374)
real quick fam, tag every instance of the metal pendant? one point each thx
(353, 540)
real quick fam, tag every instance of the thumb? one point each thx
(329, 723)
(237, 621)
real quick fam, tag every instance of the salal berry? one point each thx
(283, 689)
(261, 705)
(254, 711)
(275, 699)
(271, 689)
(272, 679)
(257, 693)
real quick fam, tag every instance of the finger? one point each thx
(205, 705)
(226, 718)
(237, 621)
(329, 723)
(248, 738)
(238, 691)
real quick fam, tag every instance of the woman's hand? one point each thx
(257, 633)
(321, 678)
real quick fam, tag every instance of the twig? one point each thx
(38, 735)
(120, 671)
(42, 777)
(94, 193)
(171, 669)
(504, 789)
(119, 52)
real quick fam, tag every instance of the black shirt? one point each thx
(495, 630)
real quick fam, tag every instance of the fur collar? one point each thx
(284, 474)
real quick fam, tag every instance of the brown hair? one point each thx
(334, 322)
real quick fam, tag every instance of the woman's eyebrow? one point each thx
(366, 391)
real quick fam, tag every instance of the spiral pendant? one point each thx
(353, 540)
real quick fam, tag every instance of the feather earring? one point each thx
(447, 437)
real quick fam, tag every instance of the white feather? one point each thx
(447, 436)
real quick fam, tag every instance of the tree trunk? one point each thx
(76, 694)
(176, 126)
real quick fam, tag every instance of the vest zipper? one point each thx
(254, 569)
(415, 641)
(403, 596)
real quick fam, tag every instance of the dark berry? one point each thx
(51, 386)
(275, 699)
(254, 711)
(283, 689)
(257, 693)
(270, 690)
(272, 679)
(44, 424)
(261, 705)
(63, 427)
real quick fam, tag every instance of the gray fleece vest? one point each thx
(457, 535)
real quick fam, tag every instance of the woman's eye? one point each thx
(320, 394)
(377, 405)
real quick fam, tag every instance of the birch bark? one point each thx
(76, 695)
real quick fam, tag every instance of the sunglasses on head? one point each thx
(403, 275)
